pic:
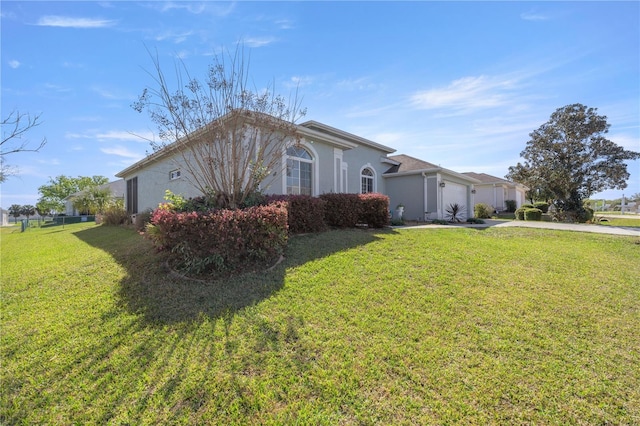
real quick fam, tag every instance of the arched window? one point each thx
(299, 171)
(367, 180)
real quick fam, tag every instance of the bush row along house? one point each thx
(330, 160)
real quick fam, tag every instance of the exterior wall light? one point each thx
(442, 184)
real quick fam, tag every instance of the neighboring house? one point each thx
(426, 190)
(4, 217)
(494, 191)
(117, 190)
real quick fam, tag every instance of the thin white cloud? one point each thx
(144, 136)
(298, 81)
(69, 22)
(467, 93)
(122, 151)
(110, 94)
(14, 64)
(258, 41)
(534, 16)
(175, 37)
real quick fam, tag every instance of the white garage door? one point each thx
(454, 193)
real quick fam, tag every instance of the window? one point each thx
(132, 195)
(299, 171)
(367, 180)
(175, 174)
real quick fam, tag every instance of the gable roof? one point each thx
(341, 134)
(408, 165)
(492, 180)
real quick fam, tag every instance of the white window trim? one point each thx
(375, 177)
(315, 181)
(175, 174)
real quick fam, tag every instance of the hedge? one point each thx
(532, 214)
(341, 210)
(222, 240)
(374, 210)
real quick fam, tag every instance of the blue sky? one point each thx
(460, 84)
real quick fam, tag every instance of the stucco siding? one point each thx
(359, 158)
(409, 191)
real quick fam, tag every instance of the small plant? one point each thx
(453, 212)
(475, 220)
(397, 222)
(482, 210)
(520, 213)
(533, 214)
(511, 205)
(439, 222)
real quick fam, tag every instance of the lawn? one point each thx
(432, 326)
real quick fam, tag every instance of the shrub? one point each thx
(542, 206)
(439, 222)
(454, 211)
(115, 215)
(142, 219)
(374, 210)
(341, 210)
(482, 211)
(475, 220)
(511, 205)
(520, 213)
(527, 206)
(306, 214)
(223, 239)
(532, 214)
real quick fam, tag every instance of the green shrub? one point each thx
(482, 211)
(520, 213)
(533, 214)
(115, 215)
(511, 205)
(142, 219)
(542, 206)
(527, 206)
(439, 222)
(475, 220)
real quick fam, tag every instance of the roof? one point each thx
(341, 134)
(492, 180)
(309, 129)
(410, 165)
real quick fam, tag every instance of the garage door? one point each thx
(454, 193)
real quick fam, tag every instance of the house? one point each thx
(427, 190)
(4, 217)
(323, 160)
(117, 189)
(494, 191)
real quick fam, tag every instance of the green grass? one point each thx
(621, 221)
(435, 326)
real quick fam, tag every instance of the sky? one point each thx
(459, 84)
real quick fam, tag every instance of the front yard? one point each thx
(434, 326)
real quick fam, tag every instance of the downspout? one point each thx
(425, 194)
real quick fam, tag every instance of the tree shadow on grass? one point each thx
(151, 289)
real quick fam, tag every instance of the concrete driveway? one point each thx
(578, 227)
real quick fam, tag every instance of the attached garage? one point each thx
(426, 190)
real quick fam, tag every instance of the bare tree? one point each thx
(14, 127)
(228, 135)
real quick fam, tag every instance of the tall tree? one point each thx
(53, 194)
(28, 211)
(227, 134)
(569, 158)
(14, 127)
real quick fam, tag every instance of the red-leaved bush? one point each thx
(374, 210)
(341, 210)
(306, 213)
(222, 239)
